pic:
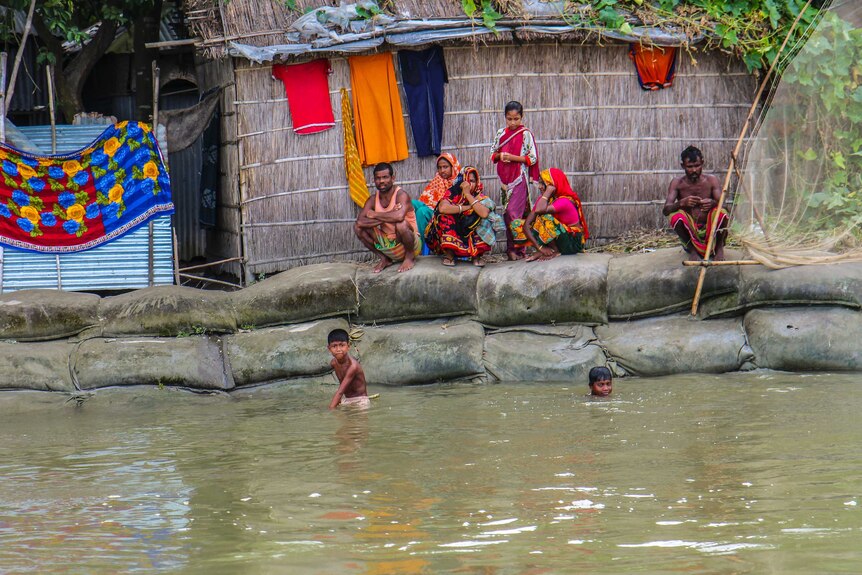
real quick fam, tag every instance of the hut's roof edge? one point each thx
(416, 33)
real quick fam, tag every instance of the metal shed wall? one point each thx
(120, 264)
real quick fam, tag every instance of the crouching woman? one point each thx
(556, 225)
(464, 223)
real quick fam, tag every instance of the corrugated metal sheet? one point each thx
(185, 168)
(69, 138)
(120, 264)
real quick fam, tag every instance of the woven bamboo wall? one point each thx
(619, 145)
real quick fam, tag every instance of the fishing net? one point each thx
(799, 199)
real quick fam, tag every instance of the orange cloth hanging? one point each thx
(352, 165)
(655, 65)
(380, 133)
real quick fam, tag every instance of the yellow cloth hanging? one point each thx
(352, 165)
(380, 133)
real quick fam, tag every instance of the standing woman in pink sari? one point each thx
(514, 152)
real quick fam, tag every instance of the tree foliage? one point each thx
(750, 29)
(823, 100)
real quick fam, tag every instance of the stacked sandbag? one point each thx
(563, 290)
(806, 339)
(654, 284)
(542, 353)
(430, 290)
(676, 344)
(167, 311)
(33, 315)
(421, 352)
(194, 362)
(281, 353)
(298, 295)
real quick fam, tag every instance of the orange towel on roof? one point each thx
(380, 133)
(655, 65)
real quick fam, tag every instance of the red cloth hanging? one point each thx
(307, 89)
(655, 65)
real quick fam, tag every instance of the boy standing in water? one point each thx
(351, 378)
(601, 381)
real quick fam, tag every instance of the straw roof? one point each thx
(263, 23)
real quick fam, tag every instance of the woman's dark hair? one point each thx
(513, 105)
(600, 373)
(337, 335)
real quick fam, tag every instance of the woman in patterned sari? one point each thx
(464, 223)
(556, 225)
(447, 170)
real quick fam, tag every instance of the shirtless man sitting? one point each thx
(387, 223)
(690, 205)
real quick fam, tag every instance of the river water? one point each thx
(743, 473)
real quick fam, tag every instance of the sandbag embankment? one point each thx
(33, 315)
(281, 352)
(654, 284)
(195, 362)
(562, 290)
(676, 344)
(429, 290)
(298, 295)
(167, 311)
(832, 285)
(421, 352)
(36, 366)
(542, 353)
(806, 339)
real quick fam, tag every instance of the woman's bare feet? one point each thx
(406, 265)
(478, 262)
(514, 255)
(382, 265)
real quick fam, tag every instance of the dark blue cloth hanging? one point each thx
(423, 73)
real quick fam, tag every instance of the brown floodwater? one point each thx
(745, 473)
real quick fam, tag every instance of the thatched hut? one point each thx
(285, 196)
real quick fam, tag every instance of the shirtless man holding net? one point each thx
(690, 206)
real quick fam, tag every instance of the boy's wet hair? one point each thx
(691, 154)
(513, 106)
(337, 335)
(600, 373)
(383, 166)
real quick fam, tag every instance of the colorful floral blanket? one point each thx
(73, 202)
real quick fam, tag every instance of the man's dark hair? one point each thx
(513, 105)
(337, 335)
(383, 166)
(691, 154)
(600, 373)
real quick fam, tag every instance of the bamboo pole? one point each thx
(730, 170)
(2, 97)
(49, 72)
(210, 280)
(19, 56)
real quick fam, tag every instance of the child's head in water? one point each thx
(338, 343)
(601, 381)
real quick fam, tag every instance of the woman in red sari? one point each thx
(514, 152)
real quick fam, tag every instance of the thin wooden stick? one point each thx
(208, 264)
(49, 72)
(709, 264)
(210, 280)
(711, 240)
(2, 97)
